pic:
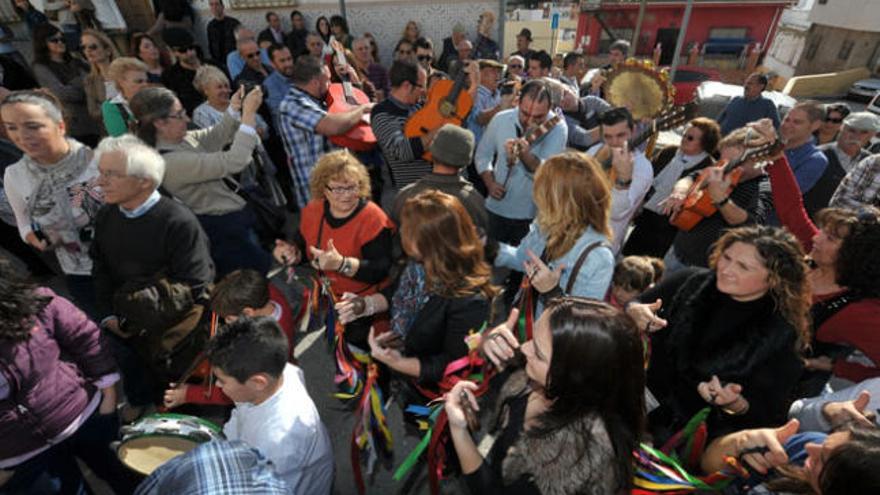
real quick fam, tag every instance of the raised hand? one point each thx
(463, 390)
(326, 259)
(499, 343)
(645, 315)
(851, 411)
(762, 449)
(728, 397)
(542, 278)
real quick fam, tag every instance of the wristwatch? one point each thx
(721, 203)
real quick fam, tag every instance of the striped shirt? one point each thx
(402, 154)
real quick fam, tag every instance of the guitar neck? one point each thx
(643, 136)
(457, 87)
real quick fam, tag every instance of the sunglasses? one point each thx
(252, 55)
(515, 66)
(88, 48)
(833, 121)
(425, 58)
(56, 39)
(690, 137)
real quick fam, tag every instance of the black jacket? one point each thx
(437, 334)
(709, 333)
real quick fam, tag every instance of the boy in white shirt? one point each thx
(273, 411)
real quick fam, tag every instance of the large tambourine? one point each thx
(639, 86)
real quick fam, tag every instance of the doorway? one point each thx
(667, 37)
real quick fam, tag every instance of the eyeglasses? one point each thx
(517, 66)
(111, 174)
(56, 39)
(252, 55)
(343, 190)
(181, 115)
(88, 48)
(833, 120)
(425, 58)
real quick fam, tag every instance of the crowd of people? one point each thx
(199, 202)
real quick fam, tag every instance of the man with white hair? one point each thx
(138, 232)
(843, 155)
(516, 66)
(465, 51)
(140, 237)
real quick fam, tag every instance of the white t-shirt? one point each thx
(625, 202)
(287, 429)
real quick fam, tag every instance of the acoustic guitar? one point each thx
(697, 204)
(341, 98)
(448, 103)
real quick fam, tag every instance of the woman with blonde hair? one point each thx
(130, 76)
(100, 52)
(343, 235)
(567, 250)
(411, 32)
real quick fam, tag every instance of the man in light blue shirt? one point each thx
(277, 84)
(510, 205)
(488, 101)
(234, 63)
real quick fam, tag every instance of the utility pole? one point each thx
(681, 34)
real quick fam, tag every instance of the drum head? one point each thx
(640, 87)
(146, 453)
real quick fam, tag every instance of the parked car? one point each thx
(864, 89)
(874, 104)
(688, 78)
(713, 96)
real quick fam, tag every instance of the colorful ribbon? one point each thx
(356, 378)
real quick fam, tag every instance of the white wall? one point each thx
(856, 15)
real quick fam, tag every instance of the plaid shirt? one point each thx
(227, 467)
(861, 186)
(299, 115)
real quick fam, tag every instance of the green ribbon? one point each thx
(413, 456)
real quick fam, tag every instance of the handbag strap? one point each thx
(580, 263)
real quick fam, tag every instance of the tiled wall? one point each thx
(385, 20)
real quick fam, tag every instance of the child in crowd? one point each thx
(632, 276)
(240, 293)
(273, 411)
